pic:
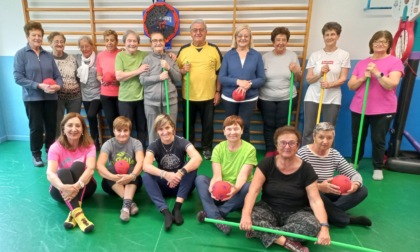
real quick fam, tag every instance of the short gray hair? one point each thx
(323, 126)
(128, 32)
(87, 38)
(198, 21)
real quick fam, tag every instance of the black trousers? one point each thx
(93, 109)
(205, 109)
(379, 126)
(274, 115)
(110, 107)
(42, 117)
(135, 112)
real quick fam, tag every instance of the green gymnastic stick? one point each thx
(299, 236)
(168, 111)
(292, 83)
(362, 118)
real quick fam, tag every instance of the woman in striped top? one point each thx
(326, 161)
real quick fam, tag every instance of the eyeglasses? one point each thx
(383, 42)
(283, 144)
(59, 42)
(154, 41)
(195, 30)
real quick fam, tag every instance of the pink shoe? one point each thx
(295, 246)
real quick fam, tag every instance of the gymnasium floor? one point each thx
(31, 221)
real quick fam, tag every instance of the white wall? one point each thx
(12, 37)
(358, 25)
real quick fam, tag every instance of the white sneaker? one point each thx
(378, 175)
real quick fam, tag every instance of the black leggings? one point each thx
(107, 185)
(93, 108)
(71, 176)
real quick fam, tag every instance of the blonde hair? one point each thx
(239, 28)
(122, 122)
(161, 120)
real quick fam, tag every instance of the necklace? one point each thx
(170, 148)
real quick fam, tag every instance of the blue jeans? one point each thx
(158, 189)
(219, 209)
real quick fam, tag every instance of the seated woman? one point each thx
(289, 193)
(232, 161)
(174, 176)
(122, 147)
(71, 164)
(325, 161)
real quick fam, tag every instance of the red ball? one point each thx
(49, 81)
(122, 166)
(238, 95)
(108, 77)
(343, 182)
(220, 189)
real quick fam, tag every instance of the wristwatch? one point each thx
(82, 185)
(380, 75)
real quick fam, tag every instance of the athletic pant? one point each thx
(110, 107)
(93, 109)
(205, 109)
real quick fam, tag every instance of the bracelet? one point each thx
(135, 176)
(324, 224)
(162, 174)
(183, 171)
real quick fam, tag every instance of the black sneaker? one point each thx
(37, 161)
(207, 154)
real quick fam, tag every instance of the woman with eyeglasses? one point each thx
(242, 71)
(161, 68)
(385, 72)
(290, 198)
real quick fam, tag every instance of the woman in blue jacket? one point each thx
(242, 71)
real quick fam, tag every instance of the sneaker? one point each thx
(378, 175)
(207, 154)
(134, 209)
(201, 216)
(125, 214)
(295, 246)
(224, 228)
(38, 161)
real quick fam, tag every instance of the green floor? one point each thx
(31, 221)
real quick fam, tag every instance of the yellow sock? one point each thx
(84, 224)
(70, 222)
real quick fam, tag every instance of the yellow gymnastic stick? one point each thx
(321, 97)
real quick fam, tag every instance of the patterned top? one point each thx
(67, 66)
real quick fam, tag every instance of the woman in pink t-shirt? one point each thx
(105, 69)
(71, 164)
(384, 71)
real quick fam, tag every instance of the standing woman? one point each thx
(334, 63)
(128, 67)
(273, 102)
(242, 69)
(32, 65)
(153, 83)
(90, 86)
(385, 72)
(69, 97)
(71, 164)
(105, 70)
(173, 176)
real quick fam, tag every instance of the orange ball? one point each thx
(220, 189)
(122, 167)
